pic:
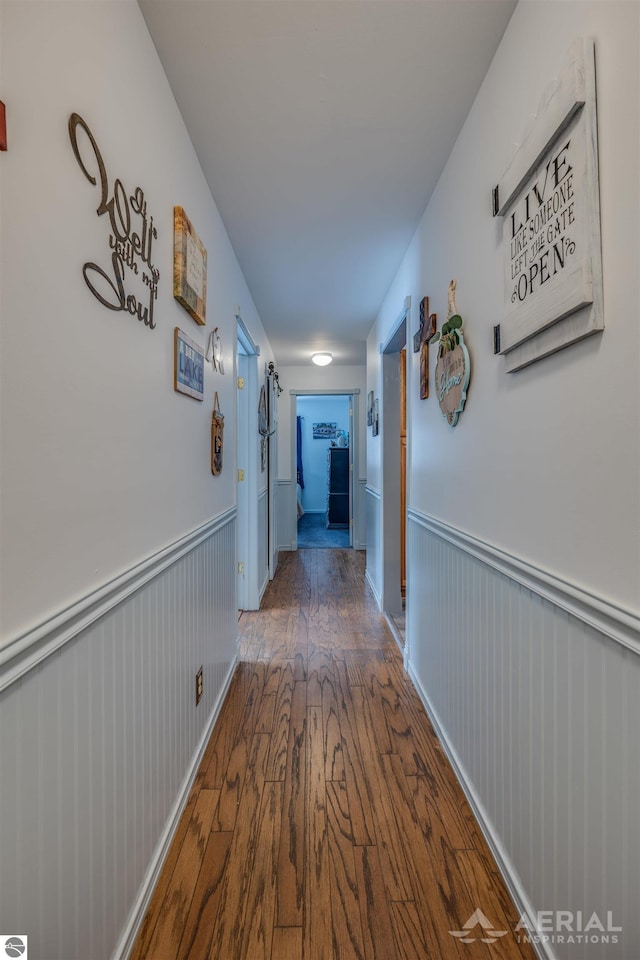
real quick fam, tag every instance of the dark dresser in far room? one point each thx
(338, 499)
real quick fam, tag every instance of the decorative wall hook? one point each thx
(273, 373)
(214, 351)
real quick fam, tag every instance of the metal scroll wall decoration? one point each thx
(263, 427)
(453, 367)
(273, 373)
(130, 282)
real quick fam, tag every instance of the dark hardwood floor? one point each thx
(325, 821)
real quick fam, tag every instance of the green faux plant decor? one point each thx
(448, 336)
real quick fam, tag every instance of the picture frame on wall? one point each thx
(375, 423)
(189, 267)
(370, 408)
(324, 431)
(188, 366)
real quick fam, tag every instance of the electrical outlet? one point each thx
(199, 686)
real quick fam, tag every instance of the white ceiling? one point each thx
(322, 127)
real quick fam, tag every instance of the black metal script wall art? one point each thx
(130, 240)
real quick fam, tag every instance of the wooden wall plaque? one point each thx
(453, 366)
(549, 200)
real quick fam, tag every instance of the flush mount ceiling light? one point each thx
(322, 359)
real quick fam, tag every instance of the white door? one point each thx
(244, 558)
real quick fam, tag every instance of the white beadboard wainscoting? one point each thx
(263, 543)
(286, 533)
(100, 739)
(360, 515)
(534, 685)
(374, 556)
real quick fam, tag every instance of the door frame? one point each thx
(353, 393)
(247, 353)
(398, 338)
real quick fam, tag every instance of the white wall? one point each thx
(544, 463)
(118, 546)
(102, 462)
(539, 480)
(332, 409)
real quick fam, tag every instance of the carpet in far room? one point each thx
(313, 533)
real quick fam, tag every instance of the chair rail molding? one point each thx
(30, 648)
(614, 621)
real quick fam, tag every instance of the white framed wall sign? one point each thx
(549, 200)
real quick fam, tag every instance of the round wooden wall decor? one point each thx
(453, 367)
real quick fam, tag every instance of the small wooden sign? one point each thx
(188, 366)
(425, 333)
(189, 267)
(549, 199)
(453, 367)
(452, 380)
(217, 437)
(3, 127)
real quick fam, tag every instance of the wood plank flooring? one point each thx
(325, 821)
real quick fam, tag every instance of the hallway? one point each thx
(325, 820)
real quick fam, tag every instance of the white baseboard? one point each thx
(263, 588)
(25, 652)
(394, 632)
(376, 595)
(514, 886)
(141, 903)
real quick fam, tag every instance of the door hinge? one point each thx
(240, 566)
(240, 476)
(240, 383)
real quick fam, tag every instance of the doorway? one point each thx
(250, 564)
(324, 446)
(394, 476)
